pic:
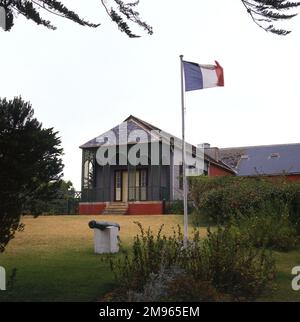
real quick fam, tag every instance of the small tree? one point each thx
(30, 164)
(65, 202)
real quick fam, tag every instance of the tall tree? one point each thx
(30, 164)
(119, 12)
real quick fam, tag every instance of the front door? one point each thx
(121, 186)
(138, 186)
(124, 186)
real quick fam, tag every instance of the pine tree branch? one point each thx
(46, 9)
(129, 14)
(27, 9)
(264, 12)
(59, 7)
(121, 15)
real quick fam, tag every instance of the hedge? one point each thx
(221, 198)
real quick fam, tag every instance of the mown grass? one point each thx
(55, 261)
(283, 290)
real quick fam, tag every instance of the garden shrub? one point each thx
(222, 198)
(231, 263)
(269, 227)
(224, 260)
(187, 288)
(176, 207)
(148, 253)
(174, 285)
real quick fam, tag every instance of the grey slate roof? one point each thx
(264, 160)
(133, 124)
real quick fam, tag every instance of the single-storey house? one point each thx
(135, 167)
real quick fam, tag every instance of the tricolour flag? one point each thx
(202, 76)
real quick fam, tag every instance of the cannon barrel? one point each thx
(102, 224)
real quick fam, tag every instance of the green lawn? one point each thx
(55, 261)
(283, 290)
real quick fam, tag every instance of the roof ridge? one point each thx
(258, 146)
(150, 126)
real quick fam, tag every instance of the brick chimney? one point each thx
(212, 152)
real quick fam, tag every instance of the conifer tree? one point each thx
(30, 165)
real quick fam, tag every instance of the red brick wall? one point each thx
(91, 208)
(145, 208)
(215, 171)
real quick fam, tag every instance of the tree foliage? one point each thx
(30, 164)
(267, 12)
(263, 12)
(119, 12)
(65, 202)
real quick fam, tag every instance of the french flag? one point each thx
(202, 76)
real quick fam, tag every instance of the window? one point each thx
(88, 174)
(194, 151)
(118, 185)
(274, 156)
(138, 180)
(143, 178)
(118, 179)
(181, 177)
(245, 156)
(143, 184)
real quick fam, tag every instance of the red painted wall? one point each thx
(215, 171)
(145, 208)
(91, 208)
(133, 208)
(293, 177)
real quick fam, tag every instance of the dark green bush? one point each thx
(221, 198)
(176, 207)
(224, 260)
(269, 227)
(231, 263)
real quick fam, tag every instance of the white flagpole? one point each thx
(185, 214)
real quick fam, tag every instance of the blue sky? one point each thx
(83, 82)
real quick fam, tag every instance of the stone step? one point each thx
(116, 208)
(123, 212)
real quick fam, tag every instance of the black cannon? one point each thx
(102, 224)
